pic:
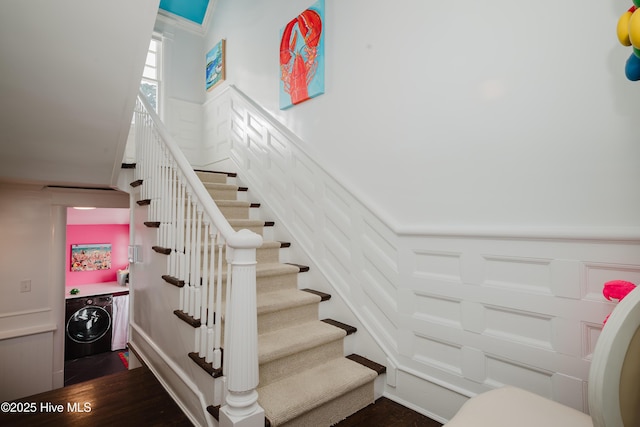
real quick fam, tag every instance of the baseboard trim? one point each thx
(143, 347)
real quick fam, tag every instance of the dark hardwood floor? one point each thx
(91, 367)
(136, 398)
(387, 413)
(130, 398)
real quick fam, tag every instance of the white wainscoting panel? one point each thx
(455, 313)
(216, 144)
(184, 122)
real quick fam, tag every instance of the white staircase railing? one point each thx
(195, 235)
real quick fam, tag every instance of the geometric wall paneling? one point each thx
(217, 144)
(517, 326)
(436, 309)
(184, 122)
(597, 274)
(502, 371)
(337, 249)
(439, 353)
(381, 291)
(456, 312)
(474, 367)
(565, 278)
(278, 151)
(590, 334)
(336, 205)
(437, 265)
(567, 337)
(569, 391)
(473, 316)
(379, 248)
(518, 273)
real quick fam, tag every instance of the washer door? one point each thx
(88, 324)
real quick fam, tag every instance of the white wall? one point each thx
(182, 91)
(33, 229)
(487, 114)
(466, 183)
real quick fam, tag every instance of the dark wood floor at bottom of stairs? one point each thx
(136, 398)
(387, 413)
(129, 398)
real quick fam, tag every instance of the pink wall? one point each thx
(115, 234)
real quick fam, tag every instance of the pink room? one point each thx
(96, 292)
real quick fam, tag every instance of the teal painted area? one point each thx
(193, 10)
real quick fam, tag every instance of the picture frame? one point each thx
(90, 257)
(215, 69)
(302, 56)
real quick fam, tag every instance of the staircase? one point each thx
(304, 377)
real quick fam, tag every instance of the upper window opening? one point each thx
(151, 76)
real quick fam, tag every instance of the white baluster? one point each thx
(187, 254)
(205, 291)
(198, 264)
(217, 353)
(215, 309)
(192, 273)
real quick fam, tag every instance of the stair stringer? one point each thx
(159, 337)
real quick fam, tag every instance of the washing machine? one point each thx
(88, 326)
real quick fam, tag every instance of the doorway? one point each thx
(96, 293)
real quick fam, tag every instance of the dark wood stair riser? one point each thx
(161, 250)
(380, 369)
(229, 174)
(187, 319)
(323, 296)
(347, 328)
(207, 367)
(173, 281)
(303, 268)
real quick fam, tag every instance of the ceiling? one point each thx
(97, 216)
(191, 10)
(68, 83)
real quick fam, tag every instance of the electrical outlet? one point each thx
(25, 286)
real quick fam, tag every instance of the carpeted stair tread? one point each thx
(247, 222)
(268, 302)
(211, 177)
(233, 203)
(274, 269)
(220, 186)
(295, 395)
(286, 341)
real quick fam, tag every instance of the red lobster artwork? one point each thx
(298, 64)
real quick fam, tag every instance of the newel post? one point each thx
(241, 340)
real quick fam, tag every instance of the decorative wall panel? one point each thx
(439, 265)
(596, 274)
(518, 274)
(502, 371)
(459, 312)
(518, 326)
(217, 144)
(437, 309)
(184, 122)
(447, 356)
